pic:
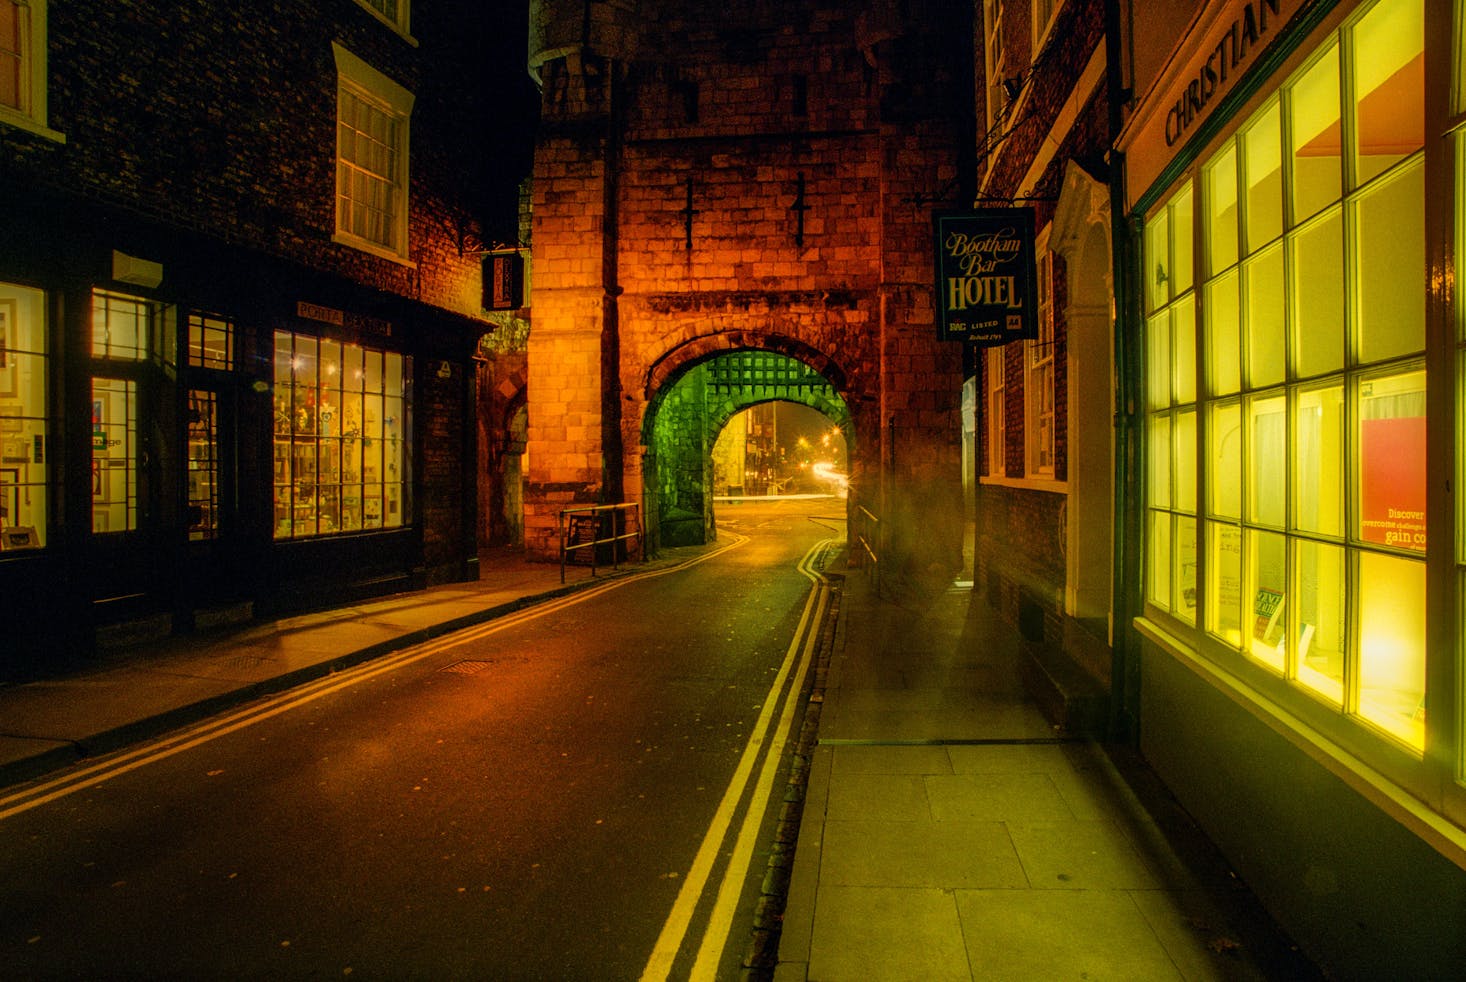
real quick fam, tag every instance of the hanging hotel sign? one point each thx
(986, 282)
(1226, 40)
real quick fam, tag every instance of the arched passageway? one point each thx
(690, 408)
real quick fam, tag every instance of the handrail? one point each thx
(868, 535)
(628, 514)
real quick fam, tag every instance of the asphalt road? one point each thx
(531, 799)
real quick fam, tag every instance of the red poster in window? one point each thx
(1392, 482)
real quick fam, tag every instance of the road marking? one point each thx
(674, 930)
(120, 763)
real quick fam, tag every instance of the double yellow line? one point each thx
(767, 739)
(115, 765)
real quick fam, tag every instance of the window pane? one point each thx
(1224, 582)
(1221, 211)
(119, 326)
(1320, 627)
(1389, 223)
(1223, 338)
(203, 464)
(1159, 492)
(1158, 361)
(24, 417)
(1266, 303)
(114, 455)
(1392, 461)
(1389, 85)
(1183, 339)
(1158, 261)
(1184, 432)
(1224, 436)
(1181, 263)
(1261, 143)
(1267, 584)
(1317, 143)
(1267, 452)
(1318, 295)
(1392, 645)
(1319, 443)
(1184, 571)
(1160, 558)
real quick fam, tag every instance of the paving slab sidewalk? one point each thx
(949, 832)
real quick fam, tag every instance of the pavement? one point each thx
(947, 830)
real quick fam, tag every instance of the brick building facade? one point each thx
(240, 287)
(1045, 547)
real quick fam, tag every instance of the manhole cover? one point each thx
(466, 667)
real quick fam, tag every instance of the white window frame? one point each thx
(996, 409)
(1039, 375)
(992, 16)
(401, 21)
(32, 115)
(357, 78)
(1044, 12)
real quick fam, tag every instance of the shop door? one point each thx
(209, 525)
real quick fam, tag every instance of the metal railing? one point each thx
(593, 526)
(868, 543)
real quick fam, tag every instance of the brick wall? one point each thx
(220, 118)
(765, 181)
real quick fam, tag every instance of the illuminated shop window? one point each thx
(210, 342)
(114, 455)
(23, 421)
(23, 50)
(340, 436)
(1170, 347)
(372, 115)
(997, 400)
(203, 464)
(1312, 335)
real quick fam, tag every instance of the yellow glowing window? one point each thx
(1311, 331)
(114, 455)
(210, 342)
(342, 419)
(203, 464)
(24, 420)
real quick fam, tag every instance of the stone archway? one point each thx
(689, 405)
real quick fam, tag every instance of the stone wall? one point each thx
(763, 178)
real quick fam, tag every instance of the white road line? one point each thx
(115, 765)
(674, 930)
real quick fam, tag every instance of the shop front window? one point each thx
(340, 435)
(1312, 333)
(114, 455)
(23, 419)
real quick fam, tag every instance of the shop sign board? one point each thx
(986, 278)
(1227, 39)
